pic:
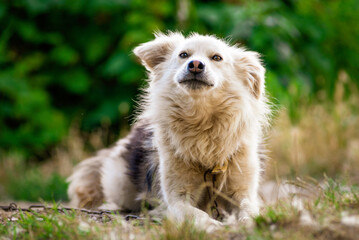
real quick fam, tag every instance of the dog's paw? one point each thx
(208, 224)
(241, 218)
(246, 221)
(211, 225)
(158, 212)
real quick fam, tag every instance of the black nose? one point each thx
(195, 66)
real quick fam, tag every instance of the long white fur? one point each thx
(197, 129)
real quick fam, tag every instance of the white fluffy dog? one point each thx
(196, 144)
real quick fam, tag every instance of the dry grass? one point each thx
(325, 139)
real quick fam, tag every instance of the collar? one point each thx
(220, 169)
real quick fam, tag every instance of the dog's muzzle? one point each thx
(195, 76)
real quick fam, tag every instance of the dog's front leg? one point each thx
(182, 211)
(182, 187)
(243, 184)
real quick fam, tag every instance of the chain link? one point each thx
(98, 215)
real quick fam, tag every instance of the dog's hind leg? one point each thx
(85, 189)
(103, 182)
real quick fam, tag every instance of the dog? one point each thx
(195, 149)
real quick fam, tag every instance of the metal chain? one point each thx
(99, 214)
(212, 195)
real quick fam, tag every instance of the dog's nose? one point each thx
(195, 66)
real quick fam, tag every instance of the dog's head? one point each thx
(201, 64)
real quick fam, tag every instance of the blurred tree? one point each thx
(62, 60)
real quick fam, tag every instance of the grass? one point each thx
(323, 143)
(30, 184)
(72, 225)
(324, 140)
(325, 216)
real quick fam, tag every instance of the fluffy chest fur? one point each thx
(198, 132)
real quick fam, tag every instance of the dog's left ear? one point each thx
(155, 52)
(249, 66)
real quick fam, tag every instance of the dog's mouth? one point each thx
(195, 83)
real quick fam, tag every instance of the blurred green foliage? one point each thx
(63, 60)
(29, 182)
(33, 186)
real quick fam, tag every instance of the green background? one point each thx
(66, 62)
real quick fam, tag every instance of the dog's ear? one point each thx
(157, 51)
(249, 65)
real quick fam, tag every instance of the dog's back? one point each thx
(127, 170)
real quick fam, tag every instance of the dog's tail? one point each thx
(85, 190)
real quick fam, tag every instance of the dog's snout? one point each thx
(195, 66)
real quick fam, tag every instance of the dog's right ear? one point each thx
(156, 52)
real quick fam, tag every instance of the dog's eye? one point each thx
(217, 58)
(183, 55)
